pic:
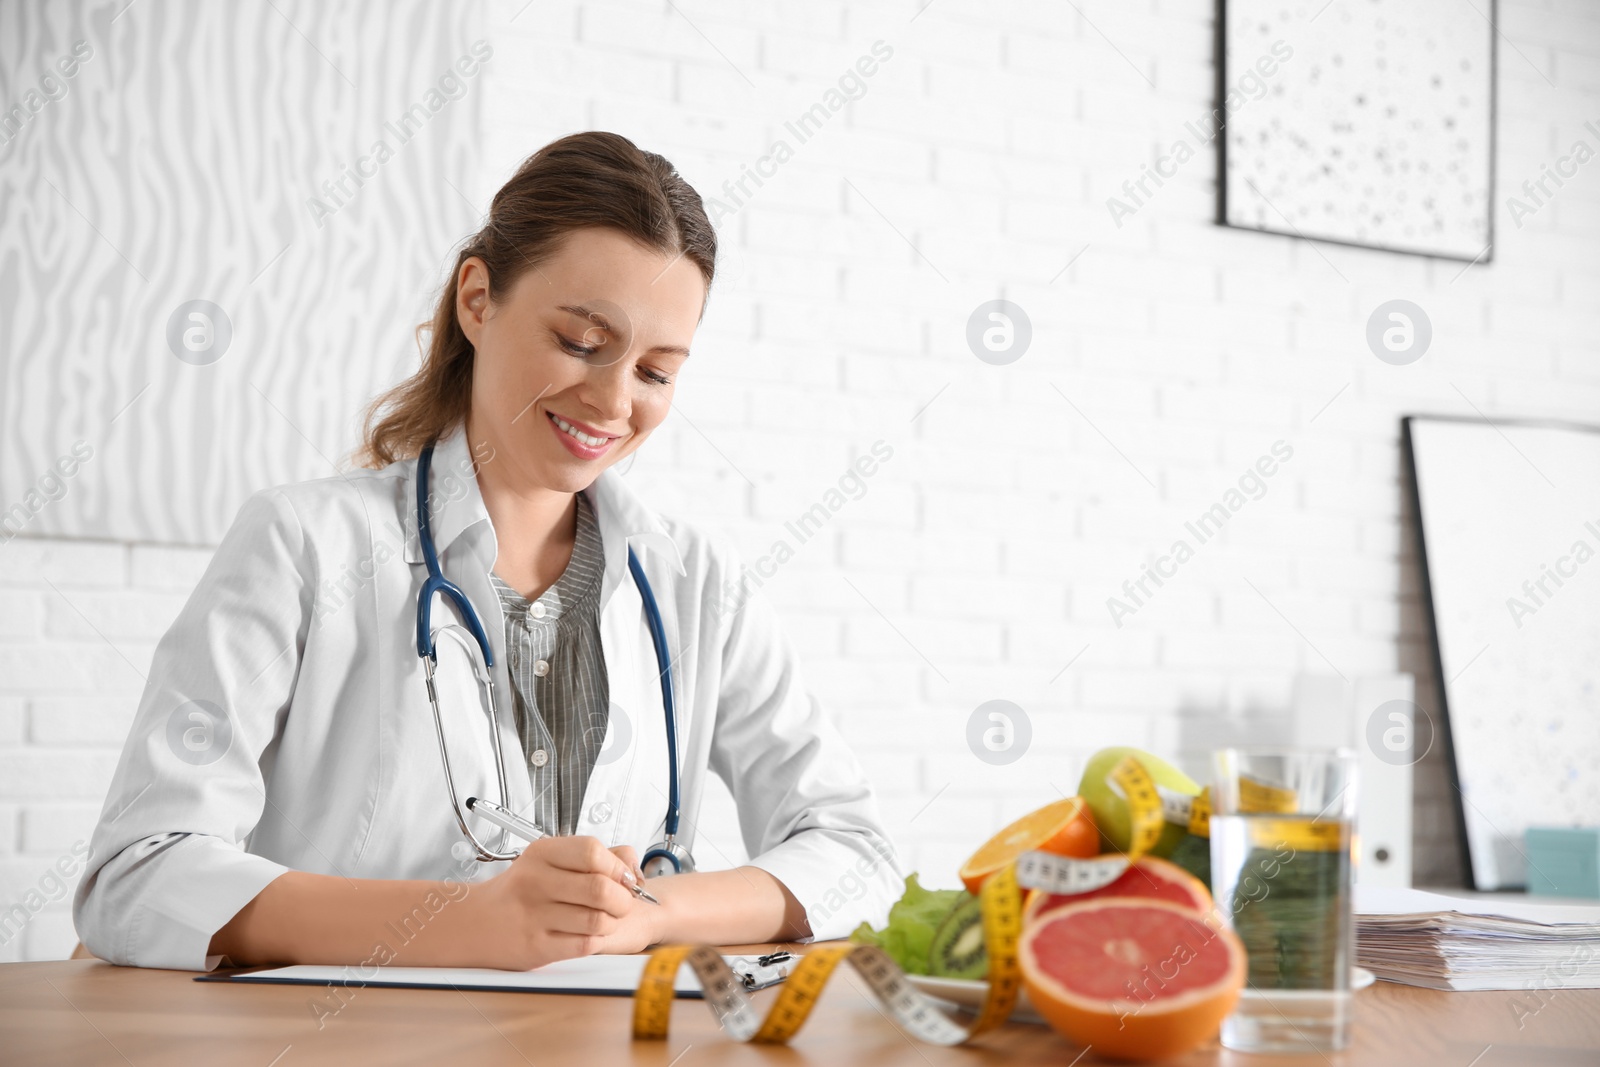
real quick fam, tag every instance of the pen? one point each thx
(513, 823)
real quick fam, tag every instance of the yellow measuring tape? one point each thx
(1199, 820)
(1255, 797)
(1303, 832)
(1000, 900)
(1144, 805)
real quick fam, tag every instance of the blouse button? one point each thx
(541, 668)
(539, 757)
(538, 610)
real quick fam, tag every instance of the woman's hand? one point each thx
(641, 927)
(564, 897)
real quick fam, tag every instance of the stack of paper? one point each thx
(1446, 942)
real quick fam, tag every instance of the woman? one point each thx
(281, 796)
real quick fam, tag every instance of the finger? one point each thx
(540, 851)
(589, 889)
(578, 920)
(564, 946)
(585, 854)
(630, 859)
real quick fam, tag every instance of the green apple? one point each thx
(1111, 811)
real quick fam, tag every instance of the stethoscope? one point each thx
(665, 857)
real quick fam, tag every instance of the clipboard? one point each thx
(590, 976)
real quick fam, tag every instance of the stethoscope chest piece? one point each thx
(666, 858)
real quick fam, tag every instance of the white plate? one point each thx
(968, 994)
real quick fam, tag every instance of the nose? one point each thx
(606, 391)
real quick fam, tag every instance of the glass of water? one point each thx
(1282, 829)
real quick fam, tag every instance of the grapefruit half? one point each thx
(1135, 979)
(1147, 878)
(1064, 828)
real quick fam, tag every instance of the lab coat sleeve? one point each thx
(806, 808)
(168, 865)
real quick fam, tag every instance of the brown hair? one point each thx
(583, 179)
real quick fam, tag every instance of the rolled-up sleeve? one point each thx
(168, 865)
(806, 808)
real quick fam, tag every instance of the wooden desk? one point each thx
(89, 1012)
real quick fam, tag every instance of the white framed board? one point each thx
(1508, 525)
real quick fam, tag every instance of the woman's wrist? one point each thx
(746, 905)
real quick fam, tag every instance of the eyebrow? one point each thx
(605, 324)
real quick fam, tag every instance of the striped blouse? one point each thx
(558, 674)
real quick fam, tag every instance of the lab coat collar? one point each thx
(457, 506)
(454, 502)
(626, 521)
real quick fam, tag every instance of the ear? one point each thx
(472, 297)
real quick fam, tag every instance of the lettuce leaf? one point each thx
(912, 921)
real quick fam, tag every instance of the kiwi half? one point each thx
(957, 949)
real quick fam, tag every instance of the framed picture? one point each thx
(1367, 124)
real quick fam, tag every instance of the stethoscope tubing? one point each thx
(437, 583)
(658, 637)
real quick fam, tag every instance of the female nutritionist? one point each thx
(282, 797)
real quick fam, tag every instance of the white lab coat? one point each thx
(302, 633)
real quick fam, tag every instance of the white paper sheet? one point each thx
(593, 975)
(1386, 900)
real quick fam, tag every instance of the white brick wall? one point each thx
(81, 620)
(981, 564)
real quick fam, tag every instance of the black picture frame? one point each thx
(1220, 91)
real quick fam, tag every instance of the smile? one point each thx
(580, 442)
(567, 427)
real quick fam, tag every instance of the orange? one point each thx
(1065, 828)
(1136, 979)
(1148, 878)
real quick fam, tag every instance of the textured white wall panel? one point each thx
(180, 162)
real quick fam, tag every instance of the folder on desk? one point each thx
(600, 976)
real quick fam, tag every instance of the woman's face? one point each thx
(576, 365)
